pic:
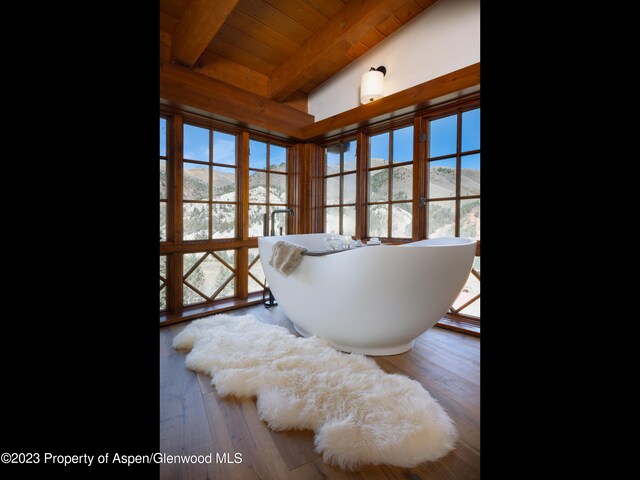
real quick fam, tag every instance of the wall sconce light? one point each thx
(372, 85)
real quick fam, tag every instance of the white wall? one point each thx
(442, 39)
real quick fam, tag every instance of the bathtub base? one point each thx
(374, 352)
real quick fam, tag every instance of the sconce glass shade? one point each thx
(371, 86)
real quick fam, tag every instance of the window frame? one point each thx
(216, 295)
(167, 168)
(305, 193)
(268, 172)
(389, 167)
(211, 164)
(340, 175)
(457, 155)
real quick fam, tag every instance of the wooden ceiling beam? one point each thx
(199, 23)
(346, 28)
(225, 70)
(186, 89)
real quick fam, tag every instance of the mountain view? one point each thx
(441, 213)
(211, 274)
(442, 184)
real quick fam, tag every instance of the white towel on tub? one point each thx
(285, 256)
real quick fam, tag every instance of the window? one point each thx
(454, 175)
(163, 179)
(390, 184)
(340, 188)
(369, 181)
(208, 276)
(257, 279)
(468, 302)
(209, 184)
(454, 191)
(163, 282)
(267, 186)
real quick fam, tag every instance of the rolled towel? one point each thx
(285, 256)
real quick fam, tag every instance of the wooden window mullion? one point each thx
(362, 154)
(174, 260)
(418, 230)
(242, 214)
(458, 171)
(341, 186)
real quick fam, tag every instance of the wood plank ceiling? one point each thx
(280, 50)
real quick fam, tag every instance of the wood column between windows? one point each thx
(243, 185)
(174, 260)
(175, 182)
(299, 188)
(315, 160)
(420, 169)
(362, 154)
(242, 256)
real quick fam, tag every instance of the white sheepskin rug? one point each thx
(360, 414)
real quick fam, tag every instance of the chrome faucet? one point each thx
(273, 227)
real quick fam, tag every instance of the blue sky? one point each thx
(443, 133)
(442, 141)
(196, 145)
(163, 136)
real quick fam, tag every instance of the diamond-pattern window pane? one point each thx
(208, 276)
(472, 310)
(470, 290)
(163, 266)
(228, 256)
(163, 299)
(189, 296)
(476, 264)
(256, 270)
(254, 286)
(229, 290)
(163, 285)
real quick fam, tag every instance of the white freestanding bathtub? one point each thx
(373, 300)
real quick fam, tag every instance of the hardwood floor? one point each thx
(195, 420)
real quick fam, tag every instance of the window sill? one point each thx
(191, 313)
(460, 323)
